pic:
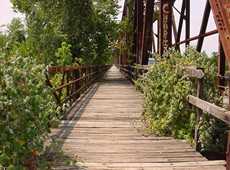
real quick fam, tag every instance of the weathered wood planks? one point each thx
(104, 132)
(210, 108)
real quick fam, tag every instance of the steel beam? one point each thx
(140, 11)
(221, 67)
(147, 38)
(180, 25)
(221, 13)
(187, 21)
(165, 26)
(203, 25)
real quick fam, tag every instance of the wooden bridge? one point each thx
(104, 131)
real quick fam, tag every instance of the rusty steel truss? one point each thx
(155, 29)
(147, 40)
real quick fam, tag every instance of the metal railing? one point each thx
(73, 81)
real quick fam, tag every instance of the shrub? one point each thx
(26, 109)
(166, 88)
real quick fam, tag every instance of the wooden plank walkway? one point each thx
(104, 131)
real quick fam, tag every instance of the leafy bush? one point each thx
(64, 54)
(165, 89)
(26, 109)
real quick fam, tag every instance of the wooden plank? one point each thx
(193, 72)
(81, 167)
(153, 165)
(105, 132)
(134, 159)
(216, 111)
(102, 151)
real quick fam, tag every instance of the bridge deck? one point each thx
(104, 131)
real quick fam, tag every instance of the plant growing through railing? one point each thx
(165, 89)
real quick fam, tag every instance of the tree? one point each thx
(88, 26)
(58, 32)
(16, 32)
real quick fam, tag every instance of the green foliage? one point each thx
(88, 26)
(59, 32)
(3, 41)
(126, 31)
(26, 108)
(166, 87)
(16, 31)
(64, 54)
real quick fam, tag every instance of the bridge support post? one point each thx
(221, 68)
(139, 27)
(147, 38)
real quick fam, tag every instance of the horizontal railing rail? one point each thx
(212, 109)
(135, 72)
(73, 81)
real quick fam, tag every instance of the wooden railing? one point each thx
(135, 72)
(206, 107)
(73, 80)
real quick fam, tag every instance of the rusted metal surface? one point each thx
(187, 22)
(221, 68)
(140, 29)
(221, 12)
(198, 36)
(60, 69)
(165, 25)
(147, 37)
(74, 80)
(203, 26)
(180, 25)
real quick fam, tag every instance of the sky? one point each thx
(6, 14)
(197, 8)
(121, 4)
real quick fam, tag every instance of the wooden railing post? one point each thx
(228, 152)
(227, 76)
(228, 102)
(78, 83)
(199, 113)
(85, 74)
(136, 72)
(31, 163)
(67, 81)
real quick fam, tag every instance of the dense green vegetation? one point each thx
(53, 33)
(167, 111)
(89, 27)
(67, 32)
